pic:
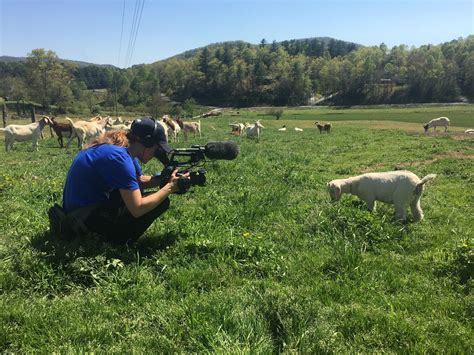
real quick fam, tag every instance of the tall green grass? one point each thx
(259, 260)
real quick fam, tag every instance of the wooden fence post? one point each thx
(33, 115)
(4, 115)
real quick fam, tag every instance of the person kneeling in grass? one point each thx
(103, 192)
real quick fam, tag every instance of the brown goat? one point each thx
(323, 127)
(61, 130)
(193, 127)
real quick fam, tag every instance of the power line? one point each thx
(118, 61)
(138, 26)
(132, 30)
(121, 34)
(139, 5)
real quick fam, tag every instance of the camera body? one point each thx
(184, 159)
(196, 178)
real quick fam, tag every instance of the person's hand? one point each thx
(173, 183)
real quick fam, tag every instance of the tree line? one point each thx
(238, 74)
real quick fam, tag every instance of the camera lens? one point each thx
(198, 177)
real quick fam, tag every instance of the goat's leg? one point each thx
(35, 144)
(400, 211)
(371, 205)
(71, 137)
(416, 210)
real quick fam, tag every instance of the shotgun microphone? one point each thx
(221, 150)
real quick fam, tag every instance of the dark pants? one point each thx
(115, 224)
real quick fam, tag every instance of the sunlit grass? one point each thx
(259, 260)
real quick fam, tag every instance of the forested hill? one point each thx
(312, 47)
(10, 59)
(240, 74)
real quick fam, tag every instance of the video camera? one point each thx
(185, 159)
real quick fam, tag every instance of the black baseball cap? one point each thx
(150, 132)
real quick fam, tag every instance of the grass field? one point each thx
(259, 260)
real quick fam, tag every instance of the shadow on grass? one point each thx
(85, 262)
(58, 250)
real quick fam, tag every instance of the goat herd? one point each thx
(84, 131)
(401, 188)
(254, 130)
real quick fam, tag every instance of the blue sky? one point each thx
(93, 30)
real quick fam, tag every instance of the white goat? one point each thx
(435, 122)
(20, 133)
(173, 127)
(254, 130)
(85, 130)
(116, 127)
(400, 188)
(297, 129)
(166, 128)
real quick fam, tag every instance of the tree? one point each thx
(189, 106)
(48, 80)
(469, 76)
(299, 82)
(13, 88)
(277, 113)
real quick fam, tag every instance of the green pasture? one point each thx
(459, 115)
(259, 260)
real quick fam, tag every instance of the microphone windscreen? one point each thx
(221, 150)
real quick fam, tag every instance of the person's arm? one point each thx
(139, 205)
(148, 182)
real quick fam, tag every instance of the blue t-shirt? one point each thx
(96, 172)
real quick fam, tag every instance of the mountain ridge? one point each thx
(191, 52)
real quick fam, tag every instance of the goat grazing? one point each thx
(194, 127)
(323, 127)
(400, 188)
(435, 122)
(20, 133)
(62, 130)
(254, 131)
